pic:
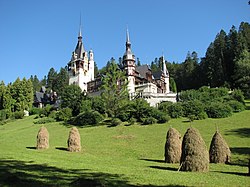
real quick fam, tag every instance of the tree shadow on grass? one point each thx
(240, 150)
(233, 173)
(241, 132)
(20, 173)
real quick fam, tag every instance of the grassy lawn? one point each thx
(118, 156)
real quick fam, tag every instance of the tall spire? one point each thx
(80, 28)
(164, 67)
(127, 36)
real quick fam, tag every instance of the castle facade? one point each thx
(142, 82)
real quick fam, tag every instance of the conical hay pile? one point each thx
(219, 151)
(42, 138)
(173, 146)
(74, 141)
(194, 155)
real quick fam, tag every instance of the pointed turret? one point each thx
(129, 65)
(164, 67)
(127, 37)
(166, 75)
(79, 50)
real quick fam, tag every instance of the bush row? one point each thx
(205, 102)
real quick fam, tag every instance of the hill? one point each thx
(118, 156)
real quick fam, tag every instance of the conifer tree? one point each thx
(114, 87)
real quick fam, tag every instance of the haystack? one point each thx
(194, 155)
(42, 138)
(173, 146)
(219, 151)
(74, 141)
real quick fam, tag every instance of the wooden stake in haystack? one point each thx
(194, 155)
(42, 138)
(219, 151)
(173, 146)
(74, 140)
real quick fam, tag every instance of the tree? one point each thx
(95, 69)
(22, 94)
(242, 73)
(51, 77)
(60, 81)
(8, 101)
(114, 89)
(35, 83)
(71, 98)
(2, 92)
(28, 93)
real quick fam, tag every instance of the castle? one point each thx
(142, 82)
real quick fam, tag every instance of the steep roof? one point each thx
(157, 75)
(143, 70)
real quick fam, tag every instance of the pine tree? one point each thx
(60, 81)
(114, 86)
(51, 77)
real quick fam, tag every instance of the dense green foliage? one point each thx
(226, 63)
(87, 118)
(114, 87)
(64, 114)
(205, 102)
(16, 97)
(71, 98)
(218, 110)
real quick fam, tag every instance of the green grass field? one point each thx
(118, 156)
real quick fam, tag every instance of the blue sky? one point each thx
(38, 35)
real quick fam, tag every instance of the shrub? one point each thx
(98, 104)
(194, 155)
(163, 106)
(53, 114)
(87, 118)
(132, 121)
(175, 110)
(64, 114)
(45, 120)
(3, 115)
(74, 140)
(148, 121)
(173, 146)
(45, 111)
(85, 105)
(35, 111)
(162, 118)
(202, 115)
(116, 122)
(18, 115)
(218, 110)
(193, 108)
(141, 109)
(236, 106)
(238, 96)
(219, 151)
(42, 138)
(126, 112)
(189, 95)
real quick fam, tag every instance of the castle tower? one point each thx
(166, 75)
(91, 65)
(129, 65)
(81, 66)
